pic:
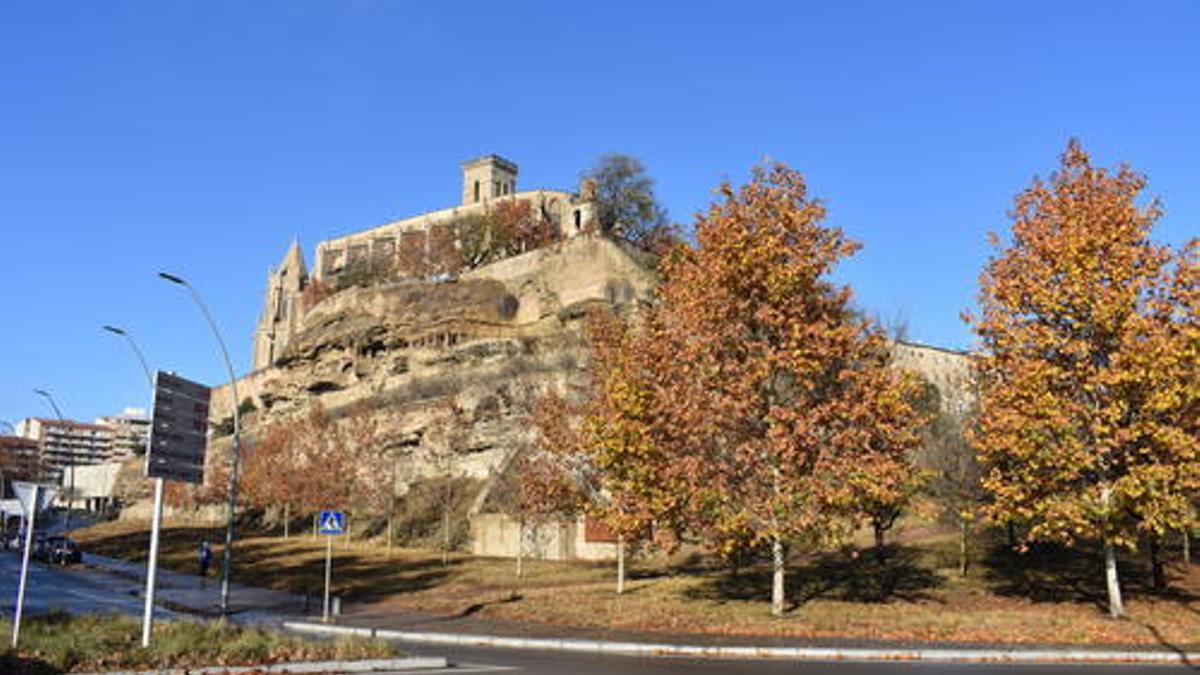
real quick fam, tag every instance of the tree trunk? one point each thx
(446, 536)
(1187, 545)
(316, 517)
(777, 580)
(1158, 576)
(391, 522)
(520, 547)
(963, 561)
(620, 564)
(1012, 535)
(287, 519)
(1115, 608)
(880, 557)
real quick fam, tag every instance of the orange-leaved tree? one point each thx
(777, 406)
(1088, 372)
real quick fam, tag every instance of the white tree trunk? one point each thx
(620, 564)
(391, 528)
(777, 580)
(287, 519)
(520, 547)
(1115, 606)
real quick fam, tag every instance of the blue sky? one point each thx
(200, 137)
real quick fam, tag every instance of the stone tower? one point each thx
(280, 311)
(488, 177)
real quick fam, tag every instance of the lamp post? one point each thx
(235, 463)
(70, 455)
(156, 519)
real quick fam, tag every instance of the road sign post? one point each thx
(30, 519)
(175, 451)
(33, 498)
(332, 523)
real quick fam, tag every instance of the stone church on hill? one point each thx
(486, 181)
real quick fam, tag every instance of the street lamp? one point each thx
(70, 454)
(156, 524)
(237, 446)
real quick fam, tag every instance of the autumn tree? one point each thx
(625, 203)
(1088, 376)
(272, 472)
(884, 479)
(317, 461)
(505, 228)
(954, 472)
(532, 489)
(778, 403)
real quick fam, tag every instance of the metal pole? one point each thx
(25, 566)
(152, 569)
(237, 446)
(70, 455)
(328, 575)
(156, 518)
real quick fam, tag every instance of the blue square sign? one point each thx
(332, 522)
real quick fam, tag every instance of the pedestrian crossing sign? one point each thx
(332, 522)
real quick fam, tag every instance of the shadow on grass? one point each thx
(15, 665)
(1055, 573)
(832, 576)
(298, 568)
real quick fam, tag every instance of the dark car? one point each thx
(58, 550)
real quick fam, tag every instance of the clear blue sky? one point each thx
(200, 137)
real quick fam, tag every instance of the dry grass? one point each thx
(58, 642)
(1048, 595)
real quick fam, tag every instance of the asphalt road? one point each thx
(77, 590)
(490, 660)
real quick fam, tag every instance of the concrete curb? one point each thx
(365, 666)
(933, 655)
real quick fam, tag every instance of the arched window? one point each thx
(476, 190)
(578, 220)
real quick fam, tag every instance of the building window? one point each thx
(506, 188)
(578, 220)
(476, 190)
(496, 188)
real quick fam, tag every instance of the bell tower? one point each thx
(488, 177)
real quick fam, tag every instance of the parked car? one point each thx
(57, 550)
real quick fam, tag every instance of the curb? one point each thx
(932, 655)
(365, 666)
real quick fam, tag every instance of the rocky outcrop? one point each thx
(486, 341)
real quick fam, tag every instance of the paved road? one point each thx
(481, 660)
(77, 590)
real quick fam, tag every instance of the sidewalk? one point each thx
(188, 593)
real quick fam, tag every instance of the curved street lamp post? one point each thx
(70, 455)
(235, 463)
(156, 520)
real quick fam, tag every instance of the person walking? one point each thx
(205, 559)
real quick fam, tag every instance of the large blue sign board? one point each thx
(332, 522)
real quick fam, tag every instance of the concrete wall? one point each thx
(496, 535)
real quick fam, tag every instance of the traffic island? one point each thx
(58, 642)
(931, 654)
